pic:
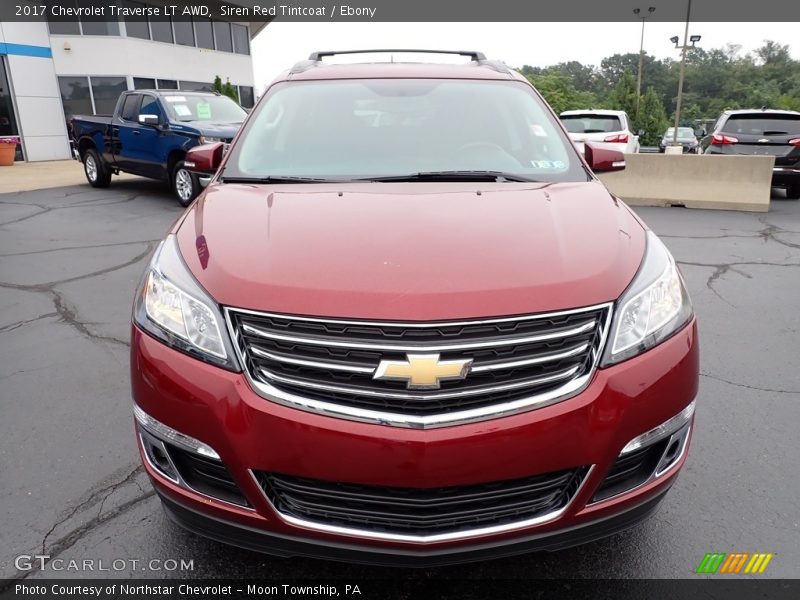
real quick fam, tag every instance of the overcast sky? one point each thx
(281, 44)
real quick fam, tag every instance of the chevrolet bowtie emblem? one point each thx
(423, 371)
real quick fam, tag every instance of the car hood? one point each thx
(411, 251)
(221, 130)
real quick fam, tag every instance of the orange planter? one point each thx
(7, 152)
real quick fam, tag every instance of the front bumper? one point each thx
(252, 434)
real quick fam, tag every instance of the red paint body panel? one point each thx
(249, 432)
(412, 251)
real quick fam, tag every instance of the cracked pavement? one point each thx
(71, 485)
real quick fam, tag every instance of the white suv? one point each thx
(612, 127)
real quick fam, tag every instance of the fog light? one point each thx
(668, 427)
(168, 434)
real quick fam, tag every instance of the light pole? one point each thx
(694, 39)
(637, 12)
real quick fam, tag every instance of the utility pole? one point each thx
(637, 11)
(695, 38)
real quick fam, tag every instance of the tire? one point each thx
(185, 186)
(793, 191)
(96, 172)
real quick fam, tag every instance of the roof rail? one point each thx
(475, 56)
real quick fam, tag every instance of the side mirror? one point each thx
(149, 120)
(603, 159)
(204, 159)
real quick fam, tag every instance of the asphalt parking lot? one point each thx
(72, 486)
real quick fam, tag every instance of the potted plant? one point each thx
(8, 149)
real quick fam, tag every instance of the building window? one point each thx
(167, 84)
(75, 96)
(204, 33)
(196, 86)
(100, 27)
(241, 39)
(106, 91)
(137, 27)
(144, 83)
(162, 31)
(222, 35)
(246, 97)
(184, 34)
(64, 27)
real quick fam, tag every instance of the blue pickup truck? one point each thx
(149, 134)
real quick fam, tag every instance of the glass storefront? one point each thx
(8, 121)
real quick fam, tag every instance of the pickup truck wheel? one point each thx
(184, 184)
(96, 173)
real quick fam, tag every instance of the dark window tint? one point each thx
(591, 123)
(162, 31)
(75, 95)
(136, 27)
(204, 33)
(144, 83)
(222, 34)
(100, 27)
(167, 84)
(246, 97)
(106, 91)
(196, 86)
(184, 34)
(64, 27)
(763, 124)
(241, 39)
(151, 106)
(130, 108)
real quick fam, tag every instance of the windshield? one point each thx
(683, 132)
(591, 123)
(374, 128)
(204, 107)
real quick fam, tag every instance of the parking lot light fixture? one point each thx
(694, 39)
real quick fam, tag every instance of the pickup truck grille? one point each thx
(330, 365)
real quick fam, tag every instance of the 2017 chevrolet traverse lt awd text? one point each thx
(406, 324)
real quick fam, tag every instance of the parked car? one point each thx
(150, 133)
(405, 323)
(612, 127)
(686, 138)
(761, 132)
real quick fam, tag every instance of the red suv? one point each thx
(406, 324)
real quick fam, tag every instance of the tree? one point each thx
(226, 89)
(623, 96)
(652, 118)
(559, 92)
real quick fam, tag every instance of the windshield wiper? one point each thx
(277, 179)
(452, 176)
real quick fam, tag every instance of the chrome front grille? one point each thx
(329, 365)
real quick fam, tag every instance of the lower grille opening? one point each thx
(631, 470)
(415, 511)
(206, 475)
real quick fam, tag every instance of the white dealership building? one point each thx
(51, 70)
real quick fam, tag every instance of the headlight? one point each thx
(171, 306)
(654, 306)
(210, 140)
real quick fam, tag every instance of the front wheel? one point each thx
(184, 184)
(96, 172)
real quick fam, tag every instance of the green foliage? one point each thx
(716, 79)
(226, 89)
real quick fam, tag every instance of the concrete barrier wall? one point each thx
(694, 181)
